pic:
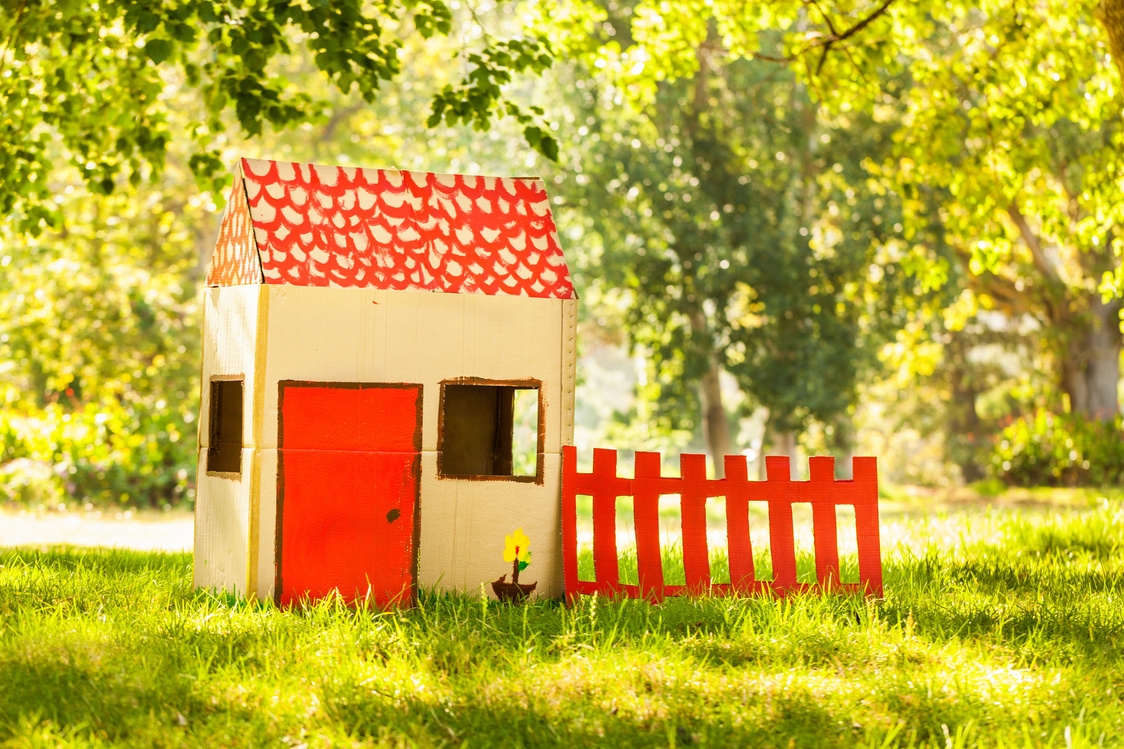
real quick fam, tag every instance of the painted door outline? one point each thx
(349, 442)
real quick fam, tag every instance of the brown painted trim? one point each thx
(210, 411)
(225, 475)
(527, 383)
(282, 386)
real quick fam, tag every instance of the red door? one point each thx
(347, 491)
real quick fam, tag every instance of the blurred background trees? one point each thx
(849, 227)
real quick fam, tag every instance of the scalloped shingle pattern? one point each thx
(389, 229)
(235, 260)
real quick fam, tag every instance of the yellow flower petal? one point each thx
(516, 546)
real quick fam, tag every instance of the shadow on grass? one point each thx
(108, 703)
(519, 719)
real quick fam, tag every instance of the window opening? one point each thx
(490, 430)
(224, 455)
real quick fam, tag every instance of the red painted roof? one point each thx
(389, 229)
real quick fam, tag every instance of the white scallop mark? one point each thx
(285, 171)
(437, 251)
(464, 235)
(291, 215)
(366, 199)
(328, 175)
(259, 167)
(275, 190)
(489, 235)
(392, 176)
(483, 204)
(381, 235)
(262, 235)
(319, 256)
(264, 213)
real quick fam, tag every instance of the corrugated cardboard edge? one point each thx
(254, 525)
(569, 370)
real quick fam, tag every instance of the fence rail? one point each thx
(778, 491)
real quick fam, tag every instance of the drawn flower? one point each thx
(516, 551)
(515, 547)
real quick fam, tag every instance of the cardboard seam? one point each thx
(253, 540)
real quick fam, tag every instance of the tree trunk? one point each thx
(716, 426)
(777, 443)
(1111, 15)
(1091, 370)
(843, 446)
(964, 425)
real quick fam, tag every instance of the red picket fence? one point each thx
(822, 491)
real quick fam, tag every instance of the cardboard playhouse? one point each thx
(388, 381)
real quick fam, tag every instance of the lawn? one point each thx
(1000, 628)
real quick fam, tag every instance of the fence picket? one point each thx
(778, 491)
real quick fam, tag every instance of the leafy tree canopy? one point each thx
(96, 80)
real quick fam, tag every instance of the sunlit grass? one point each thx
(997, 629)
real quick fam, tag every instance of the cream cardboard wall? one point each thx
(364, 335)
(223, 504)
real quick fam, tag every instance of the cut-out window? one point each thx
(224, 454)
(490, 429)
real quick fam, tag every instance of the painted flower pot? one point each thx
(512, 592)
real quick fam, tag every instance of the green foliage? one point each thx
(1006, 636)
(1050, 449)
(100, 349)
(94, 80)
(112, 454)
(1007, 135)
(738, 226)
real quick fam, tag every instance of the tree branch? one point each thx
(827, 41)
(1041, 262)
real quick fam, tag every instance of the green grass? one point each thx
(996, 630)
